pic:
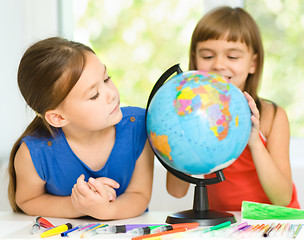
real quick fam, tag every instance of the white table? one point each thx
(19, 226)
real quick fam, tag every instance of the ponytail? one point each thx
(39, 128)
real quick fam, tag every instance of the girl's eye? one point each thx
(207, 57)
(232, 57)
(95, 96)
(107, 79)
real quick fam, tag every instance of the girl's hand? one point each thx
(255, 118)
(87, 201)
(109, 185)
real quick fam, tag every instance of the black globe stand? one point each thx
(200, 212)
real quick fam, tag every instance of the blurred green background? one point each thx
(139, 39)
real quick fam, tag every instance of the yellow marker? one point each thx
(56, 230)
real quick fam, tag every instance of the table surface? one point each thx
(19, 226)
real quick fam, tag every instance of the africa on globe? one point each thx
(198, 122)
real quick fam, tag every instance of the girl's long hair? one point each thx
(231, 24)
(47, 72)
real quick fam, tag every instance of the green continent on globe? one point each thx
(211, 98)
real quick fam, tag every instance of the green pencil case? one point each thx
(262, 211)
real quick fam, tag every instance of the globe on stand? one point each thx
(197, 123)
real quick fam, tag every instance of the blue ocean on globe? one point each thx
(198, 123)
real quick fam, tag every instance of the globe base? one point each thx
(204, 218)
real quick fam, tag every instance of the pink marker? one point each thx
(80, 230)
(238, 228)
(242, 225)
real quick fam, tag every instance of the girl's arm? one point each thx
(131, 203)
(175, 186)
(272, 163)
(30, 192)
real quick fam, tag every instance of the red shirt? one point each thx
(241, 184)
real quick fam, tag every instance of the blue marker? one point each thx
(65, 234)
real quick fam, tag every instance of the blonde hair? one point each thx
(47, 72)
(231, 24)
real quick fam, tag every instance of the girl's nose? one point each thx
(111, 93)
(219, 63)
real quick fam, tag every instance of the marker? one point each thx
(268, 230)
(258, 230)
(80, 230)
(275, 230)
(174, 226)
(156, 235)
(264, 228)
(251, 231)
(122, 228)
(240, 226)
(88, 229)
(142, 230)
(216, 227)
(255, 227)
(297, 231)
(237, 228)
(261, 227)
(92, 231)
(43, 222)
(35, 228)
(281, 229)
(247, 231)
(247, 228)
(291, 230)
(286, 230)
(65, 234)
(56, 230)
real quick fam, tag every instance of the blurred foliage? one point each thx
(282, 27)
(139, 39)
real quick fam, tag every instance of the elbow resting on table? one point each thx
(177, 194)
(23, 208)
(284, 199)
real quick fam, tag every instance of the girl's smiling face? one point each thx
(233, 60)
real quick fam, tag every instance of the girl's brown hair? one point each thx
(47, 72)
(231, 24)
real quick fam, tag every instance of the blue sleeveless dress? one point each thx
(59, 167)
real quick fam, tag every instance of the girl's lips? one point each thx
(227, 78)
(115, 109)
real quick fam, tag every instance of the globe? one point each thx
(198, 122)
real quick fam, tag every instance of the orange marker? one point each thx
(262, 226)
(255, 227)
(174, 226)
(276, 229)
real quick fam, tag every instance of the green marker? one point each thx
(297, 231)
(216, 227)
